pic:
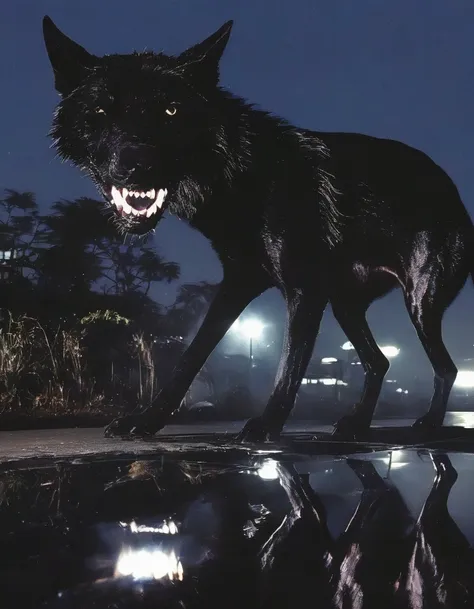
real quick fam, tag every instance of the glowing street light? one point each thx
(387, 350)
(348, 346)
(465, 379)
(390, 351)
(251, 329)
(329, 360)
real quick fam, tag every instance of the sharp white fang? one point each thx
(124, 193)
(161, 197)
(142, 194)
(136, 195)
(152, 194)
(135, 212)
(151, 210)
(120, 202)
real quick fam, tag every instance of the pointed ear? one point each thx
(204, 57)
(68, 59)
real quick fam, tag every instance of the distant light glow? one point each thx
(324, 381)
(329, 360)
(332, 381)
(400, 390)
(148, 564)
(348, 346)
(464, 379)
(249, 328)
(268, 471)
(390, 351)
(387, 350)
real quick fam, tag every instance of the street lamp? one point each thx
(337, 382)
(464, 379)
(251, 329)
(390, 351)
(348, 346)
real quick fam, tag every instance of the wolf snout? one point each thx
(133, 159)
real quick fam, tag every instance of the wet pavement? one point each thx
(79, 441)
(15, 445)
(88, 522)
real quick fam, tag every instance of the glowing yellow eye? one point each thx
(171, 111)
(99, 111)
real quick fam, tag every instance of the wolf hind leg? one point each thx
(304, 313)
(354, 325)
(426, 306)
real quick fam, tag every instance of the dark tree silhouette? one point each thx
(19, 224)
(18, 232)
(82, 261)
(71, 263)
(192, 302)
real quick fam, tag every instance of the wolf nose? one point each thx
(128, 160)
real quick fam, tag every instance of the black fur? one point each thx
(335, 218)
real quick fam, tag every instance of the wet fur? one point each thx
(328, 218)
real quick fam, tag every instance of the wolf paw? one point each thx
(351, 427)
(134, 426)
(258, 430)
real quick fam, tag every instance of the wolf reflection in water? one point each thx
(384, 558)
(327, 218)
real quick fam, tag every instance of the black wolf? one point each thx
(338, 218)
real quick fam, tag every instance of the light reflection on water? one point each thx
(148, 563)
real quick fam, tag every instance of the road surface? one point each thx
(17, 445)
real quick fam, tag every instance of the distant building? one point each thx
(8, 265)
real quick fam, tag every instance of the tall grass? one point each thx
(44, 371)
(40, 370)
(143, 351)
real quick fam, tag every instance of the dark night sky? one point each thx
(401, 69)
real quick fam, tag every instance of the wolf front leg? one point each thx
(305, 311)
(236, 291)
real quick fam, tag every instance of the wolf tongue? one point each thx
(138, 203)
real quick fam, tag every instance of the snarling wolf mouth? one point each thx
(117, 132)
(139, 203)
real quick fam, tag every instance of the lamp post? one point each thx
(337, 387)
(250, 329)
